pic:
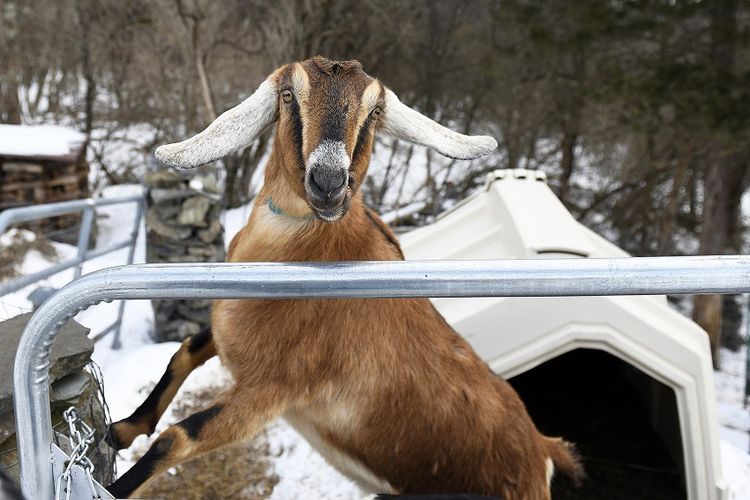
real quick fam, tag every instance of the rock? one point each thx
(193, 212)
(160, 195)
(7, 427)
(200, 316)
(212, 253)
(213, 230)
(185, 259)
(171, 248)
(205, 184)
(179, 330)
(183, 227)
(167, 212)
(162, 178)
(154, 223)
(198, 303)
(70, 352)
(70, 387)
(201, 251)
(187, 329)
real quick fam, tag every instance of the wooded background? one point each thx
(638, 111)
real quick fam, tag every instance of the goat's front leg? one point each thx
(193, 352)
(238, 414)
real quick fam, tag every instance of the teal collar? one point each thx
(278, 211)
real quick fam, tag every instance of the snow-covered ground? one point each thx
(302, 472)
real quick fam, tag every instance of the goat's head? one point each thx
(327, 113)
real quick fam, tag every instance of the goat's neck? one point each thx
(287, 230)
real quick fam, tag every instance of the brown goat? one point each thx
(385, 389)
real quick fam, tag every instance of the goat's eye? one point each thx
(286, 95)
(376, 112)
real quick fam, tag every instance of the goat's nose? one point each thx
(329, 183)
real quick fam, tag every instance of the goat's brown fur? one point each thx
(384, 388)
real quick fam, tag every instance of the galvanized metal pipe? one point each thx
(519, 278)
(116, 344)
(84, 235)
(35, 212)
(24, 281)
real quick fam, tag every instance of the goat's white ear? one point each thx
(402, 122)
(232, 130)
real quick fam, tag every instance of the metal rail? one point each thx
(559, 277)
(87, 207)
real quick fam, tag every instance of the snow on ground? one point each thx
(730, 389)
(734, 423)
(736, 464)
(131, 372)
(233, 220)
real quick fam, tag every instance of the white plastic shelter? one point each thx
(664, 356)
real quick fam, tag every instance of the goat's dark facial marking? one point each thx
(330, 109)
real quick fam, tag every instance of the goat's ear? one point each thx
(402, 122)
(232, 130)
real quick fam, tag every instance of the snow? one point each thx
(39, 140)
(302, 472)
(730, 389)
(233, 220)
(736, 471)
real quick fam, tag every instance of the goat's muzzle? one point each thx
(327, 181)
(327, 190)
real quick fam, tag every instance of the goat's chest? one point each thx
(288, 341)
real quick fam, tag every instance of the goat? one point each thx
(384, 389)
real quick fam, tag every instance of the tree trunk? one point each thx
(206, 94)
(568, 146)
(670, 215)
(731, 337)
(10, 112)
(719, 180)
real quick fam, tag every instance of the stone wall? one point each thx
(182, 224)
(70, 385)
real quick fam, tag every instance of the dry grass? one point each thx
(238, 472)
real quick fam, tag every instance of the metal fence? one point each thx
(87, 208)
(516, 278)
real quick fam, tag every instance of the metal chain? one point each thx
(80, 437)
